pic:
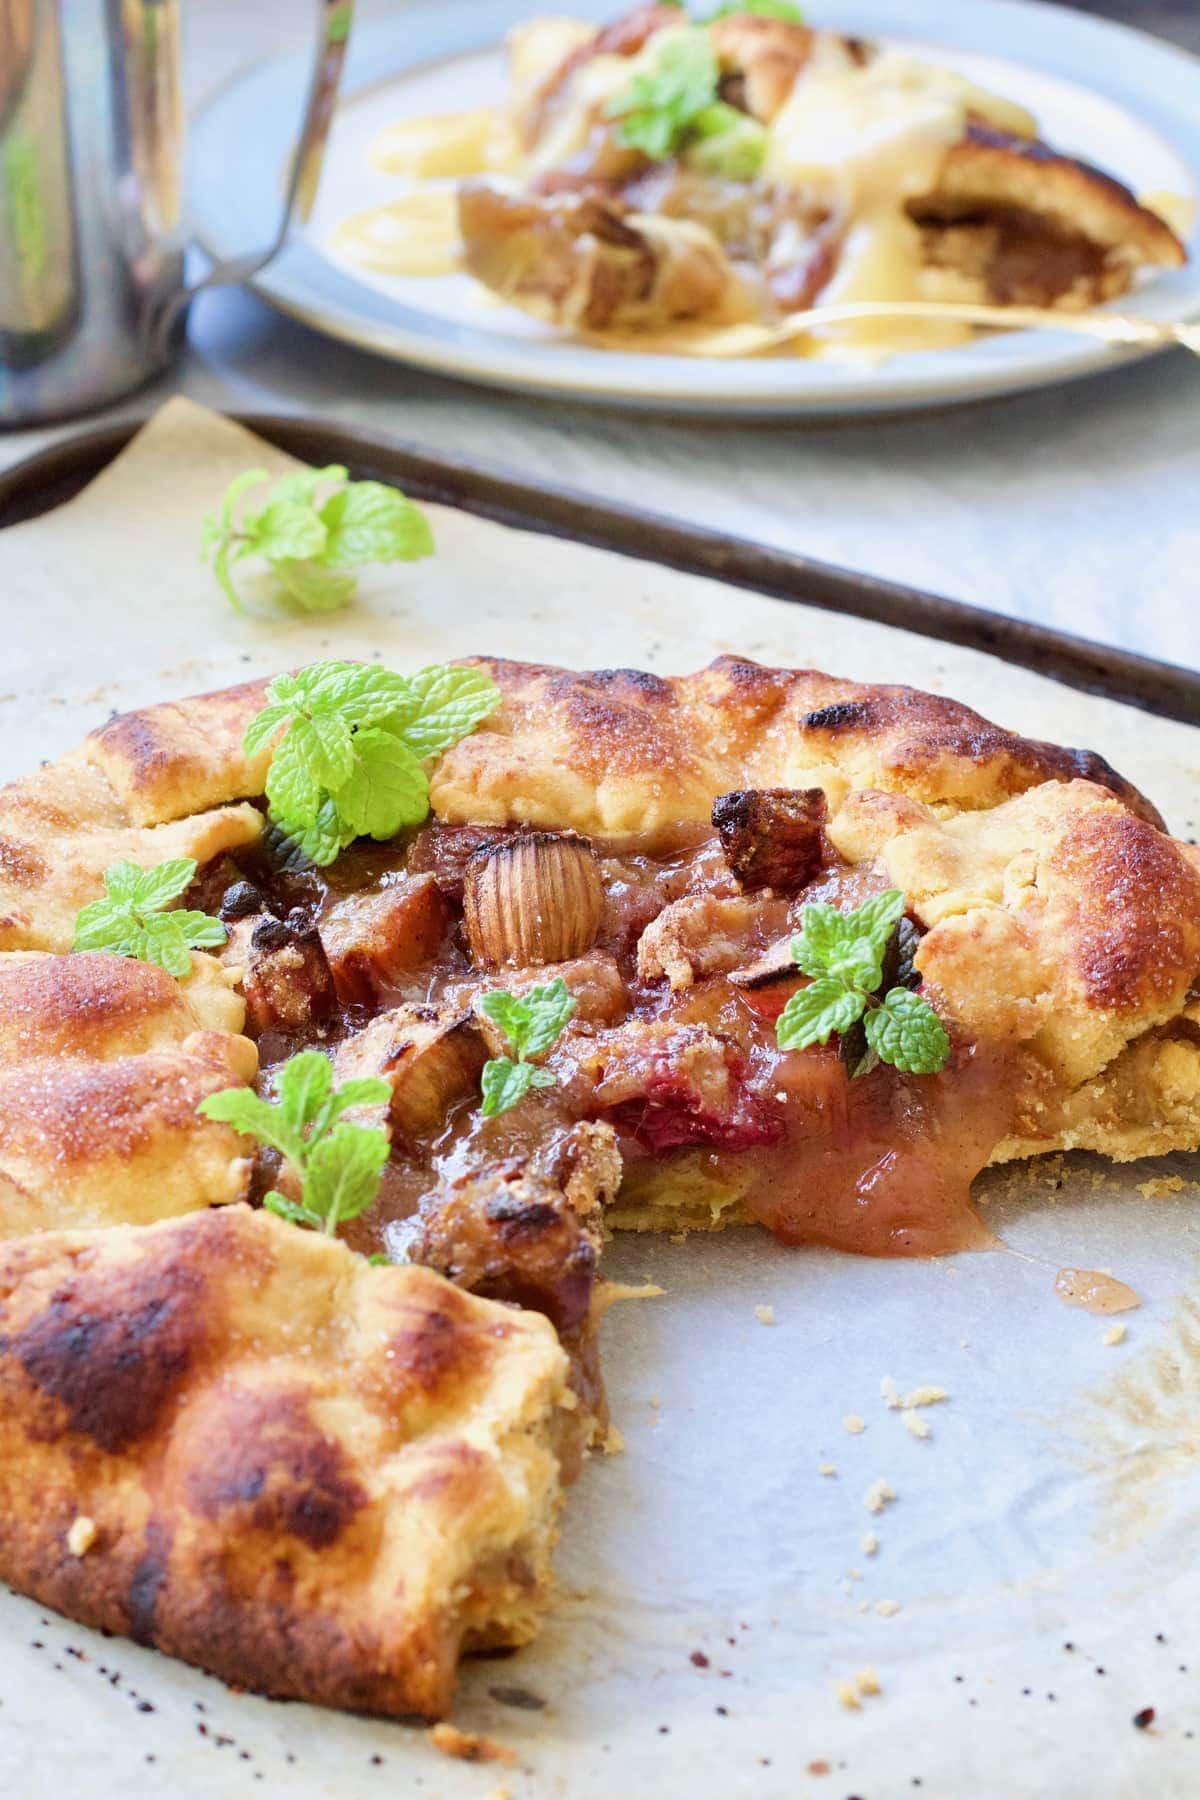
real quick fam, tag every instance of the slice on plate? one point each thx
(660, 173)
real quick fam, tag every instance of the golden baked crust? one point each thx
(993, 168)
(615, 751)
(166, 762)
(61, 828)
(1056, 920)
(103, 1062)
(307, 1475)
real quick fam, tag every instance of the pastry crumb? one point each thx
(468, 1746)
(1160, 1186)
(889, 1393)
(852, 1692)
(853, 1424)
(765, 1315)
(878, 1495)
(869, 1543)
(913, 1423)
(1115, 1334)
(826, 1468)
(82, 1535)
(613, 1443)
(923, 1396)
(887, 1609)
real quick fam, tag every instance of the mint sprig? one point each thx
(337, 1163)
(314, 528)
(663, 100)
(132, 919)
(351, 744)
(843, 953)
(762, 9)
(530, 1024)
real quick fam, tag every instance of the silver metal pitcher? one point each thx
(92, 292)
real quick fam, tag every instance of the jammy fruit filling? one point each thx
(668, 1094)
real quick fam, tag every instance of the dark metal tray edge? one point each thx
(50, 476)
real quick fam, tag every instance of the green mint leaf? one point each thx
(386, 788)
(379, 1261)
(197, 929)
(302, 484)
(130, 920)
(363, 693)
(263, 727)
(726, 143)
(877, 919)
(763, 9)
(343, 1172)
(242, 1110)
(445, 704)
(906, 1032)
(661, 102)
(532, 1021)
(284, 528)
(369, 522)
(364, 1090)
(848, 945)
(328, 745)
(157, 887)
(305, 1084)
(504, 1084)
(322, 839)
(311, 588)
(347, 743)
(308, 542)
(814, 1013)
(338, 1164)
(102, 926)
(293, 786)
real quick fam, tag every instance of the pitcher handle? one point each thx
(334, 20)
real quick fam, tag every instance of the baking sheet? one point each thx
(1035, 1583)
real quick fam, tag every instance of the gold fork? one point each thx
(1111, 328)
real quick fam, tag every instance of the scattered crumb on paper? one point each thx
(853, 1424)
(913, 1423)
(887, 1609)
(869, 1543)
(469, 1746)
(878, 1495)
(1115, 1334)
(765, 1315)
(826, 1468)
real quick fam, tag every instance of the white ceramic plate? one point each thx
(1101, 92)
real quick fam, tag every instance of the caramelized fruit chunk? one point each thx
(286, 978)
(772, 837)
(374, 937)
(432, 1058)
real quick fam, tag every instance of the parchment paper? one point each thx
(1035, 1582)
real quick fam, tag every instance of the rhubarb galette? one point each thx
(749, 944)
(666, 172)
